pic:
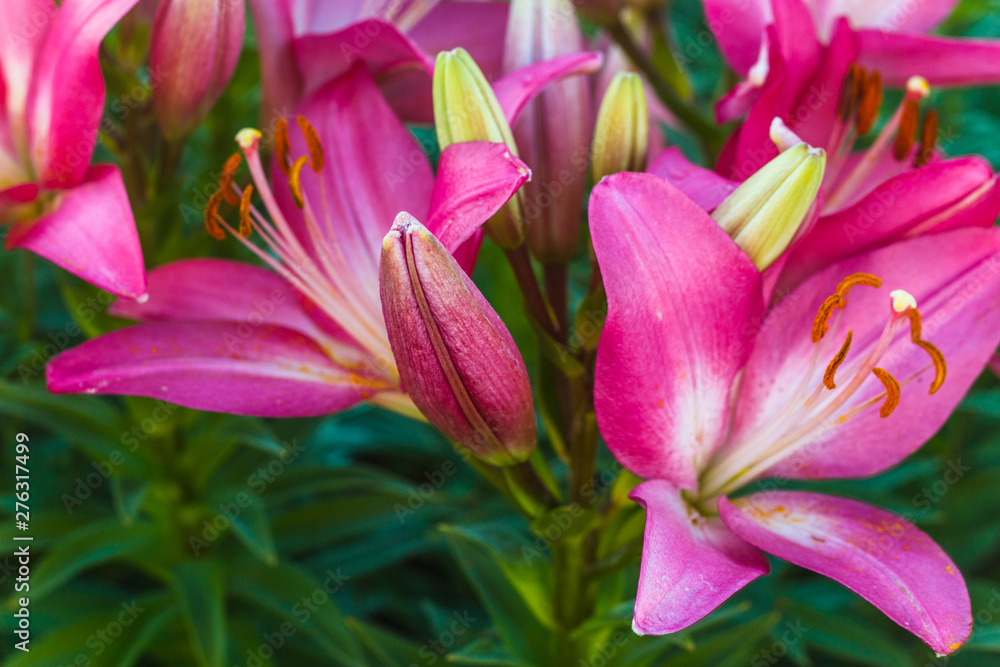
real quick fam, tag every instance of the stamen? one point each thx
(820, 326)
(871, 99)
(849, 91)
(892, 391)
(928, 138)
(940, 365)
(226, 179)
(837, 360)
(847, 284)
(211, 213)
(245, 227)
(907, 132)
(293, 180)
(281, 146)
(312, 141)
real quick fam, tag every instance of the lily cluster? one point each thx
(812, 306)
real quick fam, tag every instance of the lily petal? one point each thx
(518, 88)
(937, 197)
(90, 232)
(474, 26)
(676, 334)
(474, 180)
(690, 564)
(67, 90)
(704, 186)
(943, 61)
(272, 372)
(877, 554)
(738, 26)
(955, 278)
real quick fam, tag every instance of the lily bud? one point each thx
(456, 359)
(193, 51)
(552, 129)
(764, 214)
(465, 109)
(621, 136)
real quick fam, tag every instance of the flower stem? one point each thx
(535, 300)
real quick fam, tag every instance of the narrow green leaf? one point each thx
(200, 590)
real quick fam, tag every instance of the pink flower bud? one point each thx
(456, 358)
(554, 129)
(193, 51)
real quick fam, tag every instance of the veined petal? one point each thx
(943, 61)
(90, 232)
(473, 26)
(955, 278)
(877, 554)
(677, 331)
(690, 564)
(937, 197)
(704, 186)
(474, 180)
(273, 372)
(66, 97)
(518, 88)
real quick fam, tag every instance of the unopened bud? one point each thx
(764, 214)
(193, 52)
(456, 359)
(621, 136)
(466, 109)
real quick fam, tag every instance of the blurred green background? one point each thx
(166, 536)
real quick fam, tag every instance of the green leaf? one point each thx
(985, 638)
(200, 590)
(250, 522)
(298, 598)
(385, 647)
(851, 638)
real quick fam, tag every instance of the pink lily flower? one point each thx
(307, 337)
(891, 35)
(702, 390)
(818, 94)
(306, 43)
(57, 205)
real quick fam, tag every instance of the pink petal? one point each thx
(22, 33)
(67, 90)
(376, 44)
(691, 564)
(943, 61)
(895, 15)
(676, 334)
(275, 30)
(268, 372)
(90, 232)
(955, 281)
(704, 186)
(738, 26)
(475, 26)
(473, 181)
(374, 168)
(518, 88)
(877, 554)
(938, 197)
(228, 291)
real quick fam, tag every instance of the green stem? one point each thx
(708, 131)
(535, 301)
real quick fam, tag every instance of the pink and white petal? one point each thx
(90, 232)
(940, 196)
(22, 33)
(738, 26)
(704, 186)
(877, 554)
(474, 181)
(66, 97)
(376, 44)
(943, 61)
(477, 27)
(955, 278)
(676, 335)
(272, 372)
(900, 15)
(519, 87)
(691, 564)
(228, 291)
